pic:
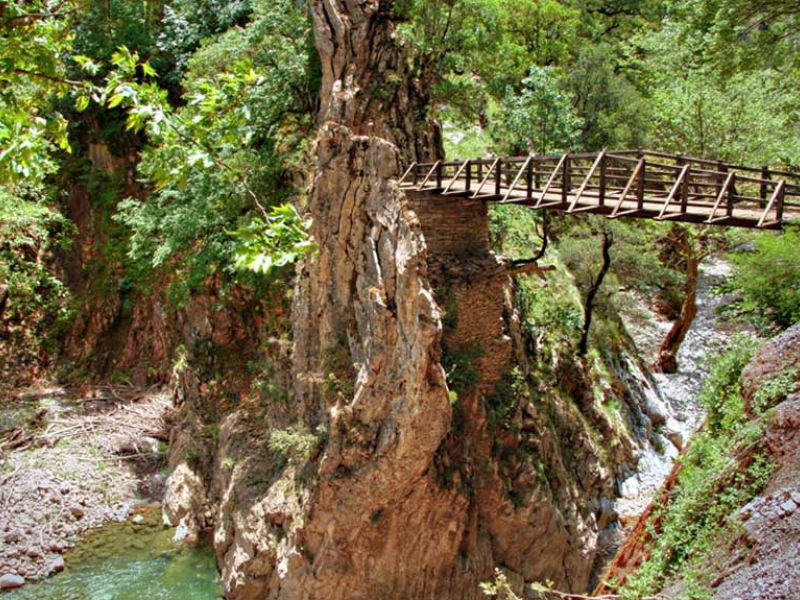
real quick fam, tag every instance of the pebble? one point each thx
(12, 537)
(77, 512)
(57, 547)
(11, 581)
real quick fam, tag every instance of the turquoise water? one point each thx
(129, 561)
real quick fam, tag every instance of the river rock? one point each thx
(57, 565)
(11, 581)
(77, 511)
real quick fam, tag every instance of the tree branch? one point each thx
(51, 78)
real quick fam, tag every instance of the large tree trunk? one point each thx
(667, 361)
(367, 333)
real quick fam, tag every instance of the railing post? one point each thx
(537, 181)
(779, 207)
(640, 187)
(529, 180)
(439, 170)
(415, 173)
(565, 180)
(468, 184)
(498, 177)
(731, 187)
(685, 191)
(602, 193)
(763, 191)
(724, 171)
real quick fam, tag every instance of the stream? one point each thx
(132, 560)
(677, 394)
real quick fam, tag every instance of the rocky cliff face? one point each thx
(396, 496)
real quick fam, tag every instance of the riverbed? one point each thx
(677, 393)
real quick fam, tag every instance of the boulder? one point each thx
(11, 581)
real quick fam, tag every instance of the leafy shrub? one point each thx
(459, 365)
(295, 444)
(33, 300)
(768, 279)
(721, 396)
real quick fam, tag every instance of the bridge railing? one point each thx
(622, 183)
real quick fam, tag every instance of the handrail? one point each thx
(728, 183)
(775, 195)
(453, 180)
(673, 191)
(428, 176)
(516, 179)
(485, 179)
(550, 181)
(634, 176)
(600, 158)
(631, 183)
(407, 173)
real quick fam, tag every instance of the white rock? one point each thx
(11, 581)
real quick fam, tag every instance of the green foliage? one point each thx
(221, 164)
(186, 23)
(295, 444)
(498, 587)
(768, 279)
(771, 391)
(33, 301)
(502, 403)
(613, 111)
(34, 36)
(265, 246)
(539, 117)
(720, 395)
(458, 361)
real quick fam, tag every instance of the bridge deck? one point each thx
(638, 183)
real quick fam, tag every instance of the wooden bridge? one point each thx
(628, 183)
